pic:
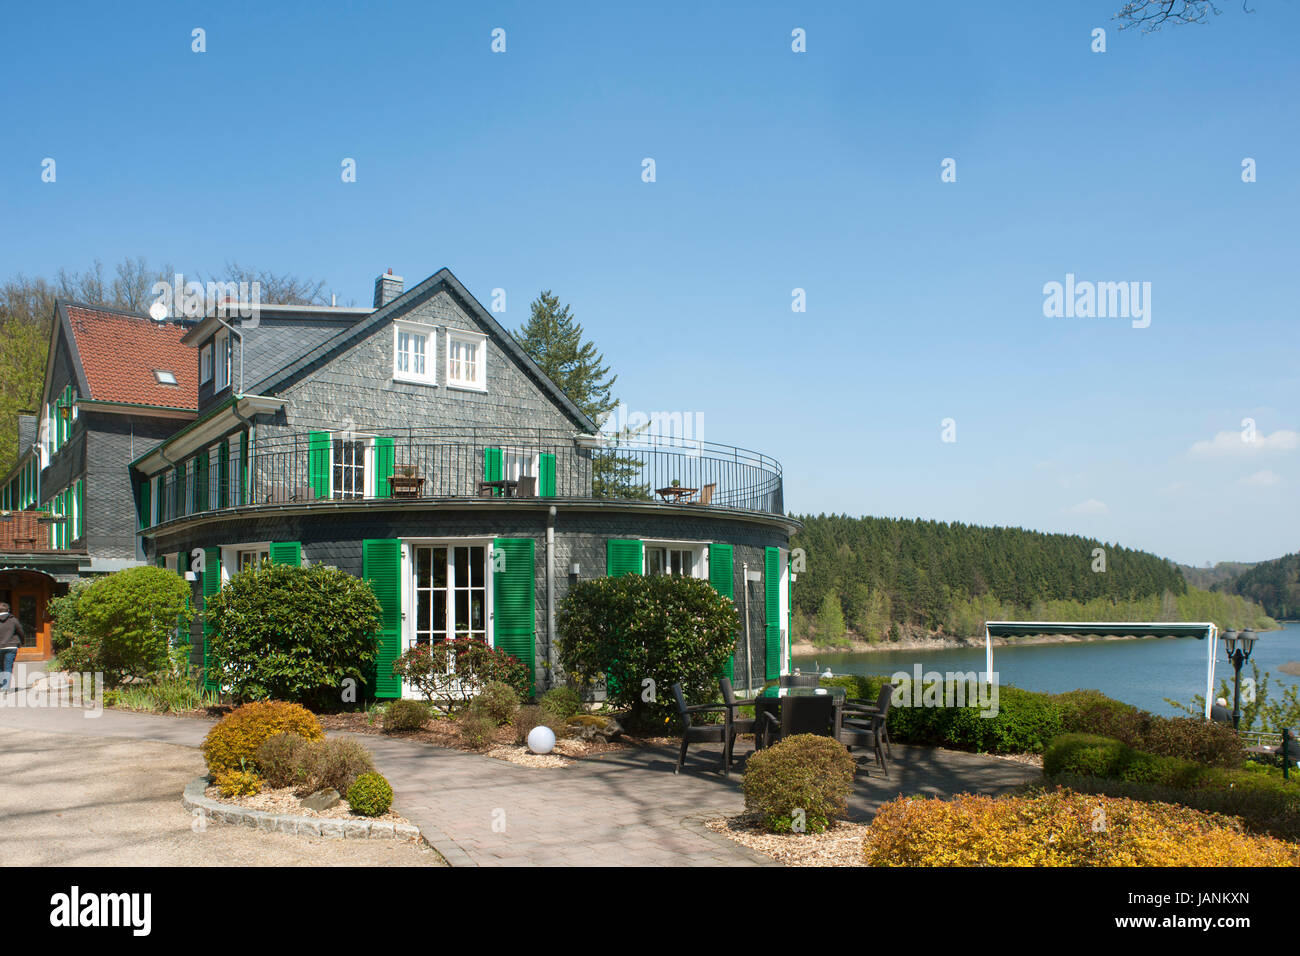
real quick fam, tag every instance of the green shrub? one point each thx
(805, 772)
(563, 702)
(405, 715)
(533, 716)
(165, 694)
(64, 613)
(1085, 755)
(127, 620)
(236, 737)
(370, 795)
(499, 701)
(477, 729)
(292, 633)
(634, 627)
(333, 763)
(453, 673)
(282, 760)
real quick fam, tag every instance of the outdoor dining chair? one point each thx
(527, 487)
(736, 725)
(693, 733)
(861, 724)
(800, 715)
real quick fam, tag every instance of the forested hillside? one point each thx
(1213, 577)
(1275, 585)
(879, 576)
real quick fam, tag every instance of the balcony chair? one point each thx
(706, 494)
(527, 487)
(693, 733)
(862, 724)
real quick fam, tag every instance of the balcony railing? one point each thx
(301, 470)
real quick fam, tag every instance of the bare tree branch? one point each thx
(1151, 15)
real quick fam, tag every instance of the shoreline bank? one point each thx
(806, 649)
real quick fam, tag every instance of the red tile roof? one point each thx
(119, 353)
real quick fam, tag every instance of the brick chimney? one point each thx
(387, 288)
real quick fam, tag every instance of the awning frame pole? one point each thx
(1212, 639)
(988, 655)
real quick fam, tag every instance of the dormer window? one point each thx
(466, 360)
(205, 364)
(413, 353)
(164, 377)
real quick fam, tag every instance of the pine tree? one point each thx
(553, 339)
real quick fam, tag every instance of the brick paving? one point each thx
(625, 808)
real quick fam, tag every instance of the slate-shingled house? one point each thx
(417, 446)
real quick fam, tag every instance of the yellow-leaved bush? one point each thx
(232, 744)
(1062, 828)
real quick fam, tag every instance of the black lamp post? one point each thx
(1239, 644)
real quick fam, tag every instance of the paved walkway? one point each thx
(624, 809)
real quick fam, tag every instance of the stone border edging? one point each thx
(196, 800)
(695, 823)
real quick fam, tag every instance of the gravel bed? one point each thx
(284, 800)
(841, 845)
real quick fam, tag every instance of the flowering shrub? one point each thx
(453, 673)
(1062, 828)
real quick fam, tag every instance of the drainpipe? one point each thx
(749, 667)
(550, 593)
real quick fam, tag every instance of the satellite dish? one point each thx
(158, 311)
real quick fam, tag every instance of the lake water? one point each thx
(1141, 672)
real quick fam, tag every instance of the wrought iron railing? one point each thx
(295, 470)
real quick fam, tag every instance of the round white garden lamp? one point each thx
(541, 740)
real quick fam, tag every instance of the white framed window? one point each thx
(351, 467)
(240, 557)
(682, 558)
(221, 359)
(205, 364)
(466, 360)
(413, 353)
(517, 464)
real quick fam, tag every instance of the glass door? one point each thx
(450, 593)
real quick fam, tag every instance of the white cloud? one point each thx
(1232, 443)
(1090, 507)
(1262, 479)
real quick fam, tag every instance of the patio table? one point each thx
(676, 493)
(773, 700)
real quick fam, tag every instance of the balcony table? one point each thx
(505, 485)
(676, 493)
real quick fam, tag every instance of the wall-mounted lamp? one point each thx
(574, 569)
(753, 577)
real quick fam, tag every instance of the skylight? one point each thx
(164, 377)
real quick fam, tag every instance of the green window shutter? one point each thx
(382, 567)
(772, 605)
(514, 609)
(318, 463)
(385, 455)
(179, 498)
(624, 556)
(201, 482)
(722, 575)
(211, 585)
(145, 506)
(493, 466)
(546, 480)
(81, 508)
(286, 552)
(223, 474)
(243, 468)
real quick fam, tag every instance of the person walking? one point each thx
(11, 638)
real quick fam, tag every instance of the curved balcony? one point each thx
(302, 469)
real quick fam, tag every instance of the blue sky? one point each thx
(774, 171)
